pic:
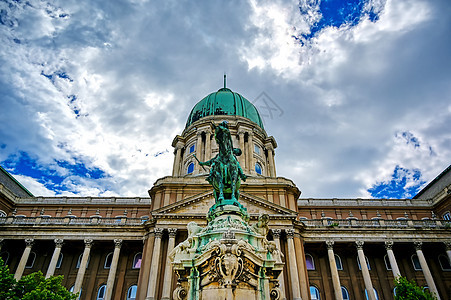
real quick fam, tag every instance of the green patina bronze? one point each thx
(225, 174)
(224, 102)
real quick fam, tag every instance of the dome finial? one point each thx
(225, 80)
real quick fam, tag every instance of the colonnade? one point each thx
(295, 265)
(393, 263)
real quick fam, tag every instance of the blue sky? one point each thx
(92, 93)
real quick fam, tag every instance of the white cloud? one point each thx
(135, 70)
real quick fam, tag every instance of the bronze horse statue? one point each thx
(225, 171)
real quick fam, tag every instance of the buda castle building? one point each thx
(118, 247)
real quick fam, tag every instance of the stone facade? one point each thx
(330, 248)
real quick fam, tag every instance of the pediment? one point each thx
(200, 204)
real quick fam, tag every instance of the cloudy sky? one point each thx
(356, 93)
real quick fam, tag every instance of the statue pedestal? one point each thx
(228, 259)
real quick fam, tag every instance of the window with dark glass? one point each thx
(108, 260)
(60, 261)
(416, 262)
(344, 293)
(192, 148)
(444, 262)
(387, 262)
(338, 262)
(30, 261)
(101, 292)
(367, 263)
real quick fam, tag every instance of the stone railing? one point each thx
(375, 223)
(71, 221)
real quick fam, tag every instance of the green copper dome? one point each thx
(224, 102)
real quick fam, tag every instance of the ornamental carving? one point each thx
(389, 245)
(330, 245)
(359, 245)
(29, 242)
(58, 243)
(117, 243)
(418, 245)
(158, 232)
(88, 243)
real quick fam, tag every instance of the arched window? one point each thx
(375, 294)
(59, 261)
(338, 262)
(192, 148)
(72, 290)
(367, 263)
(256, 149)
(444, 262)
(394, 291)
(137, 261)
(79, 261)
(144, 219)
(314, 293)
(108, 260)
(309, 262)
(416, 262)
(2, 214)
(131, 293)
(190, 168)
(387, 262)
(258, 168)
(447, 216)
(101, 292)
(30, 261)
(344, 293)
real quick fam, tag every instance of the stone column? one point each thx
(199, 151)
(151, 287)
(276, 234)
(250, 152)
(271, 168)
(365, 271)
(242, 158)
(207, 145)
(293, 266)
(176, 166)
(55, 256)
(113, 268)
(83, 264)
(426, 271)
(23, 260)
(448, 250)
(392, 259)
(334, 271)
(167, 282)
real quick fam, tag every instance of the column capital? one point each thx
(29, 242)
(330, 245)
(447, 245)
(241, 132)
(389, 245)
(58, 243)
(359, 245)
(276, 233)
(158, 232)
(117, 243)
(172, 232)
(290, 233)
(88, 243)
(418, 245)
